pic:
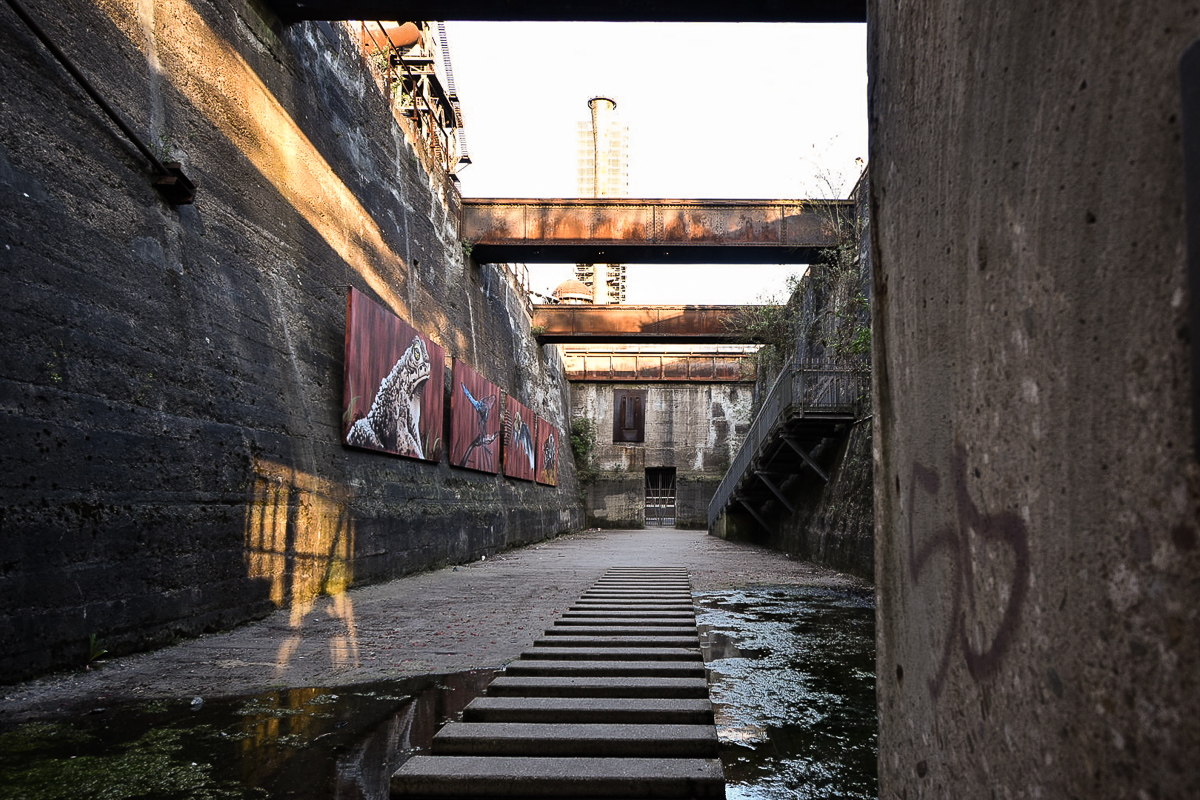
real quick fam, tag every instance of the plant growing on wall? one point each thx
(839, 320)
(771, 323)
(583, 444)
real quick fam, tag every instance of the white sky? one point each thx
(766, 111)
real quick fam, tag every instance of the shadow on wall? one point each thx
(300, 538)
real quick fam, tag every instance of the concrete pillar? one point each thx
(1036, 490)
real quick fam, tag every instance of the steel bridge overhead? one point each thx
(581, 10)
(586, 324)
(630, 231)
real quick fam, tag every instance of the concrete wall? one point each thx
(172, 459)
(694, 427)
(834, 522)
(1036, 485)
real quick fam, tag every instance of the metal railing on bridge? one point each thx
(824, 393)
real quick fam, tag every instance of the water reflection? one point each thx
(315, 743)
(792, 674)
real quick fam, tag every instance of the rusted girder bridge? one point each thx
(582, 10)
(630, 231)
(583, 324)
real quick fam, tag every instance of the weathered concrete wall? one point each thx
(172, 459)
(694, 427)
(834, 522)
(1036, 486)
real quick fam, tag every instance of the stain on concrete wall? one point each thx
(172, 459)
(1036, 491)
(694, 427)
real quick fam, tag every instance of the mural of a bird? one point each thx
(482, 407)
(483, 410)
(524, 437)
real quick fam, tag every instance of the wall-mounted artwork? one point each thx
(547, 453)
(520, 442)
(394, 383)
(475, 421)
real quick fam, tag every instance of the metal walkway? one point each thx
(612, 701)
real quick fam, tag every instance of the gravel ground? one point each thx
(474, 616)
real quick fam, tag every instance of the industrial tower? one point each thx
(603, 172)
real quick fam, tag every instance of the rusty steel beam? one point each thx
(592, 363)
(631, 231)
(577, 10)
(627, 323)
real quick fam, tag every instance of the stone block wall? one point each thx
(171, 398)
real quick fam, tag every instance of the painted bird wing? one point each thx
(525, 439)
(482, 407)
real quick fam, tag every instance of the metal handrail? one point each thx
(801, 388)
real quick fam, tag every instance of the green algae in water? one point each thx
(306, 742)
(792, 673)
(149, 766)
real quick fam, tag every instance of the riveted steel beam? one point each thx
(628, 231)
(634, 323)
(581, 10)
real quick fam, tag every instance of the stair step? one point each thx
(630, 605)
(572, 739)
(502, 776)
(666, 632)
(613, 710)
(615, 640)
(536, 686)
(635, 621)
(618, 614)
(612, 669)
(614, 653)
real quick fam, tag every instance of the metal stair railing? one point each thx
(807, 387)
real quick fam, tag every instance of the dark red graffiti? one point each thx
(1003, 528)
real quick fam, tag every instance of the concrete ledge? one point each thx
(614, 710)
(613, 669)
(484, 777)
(572, 739)
(619, 614)
(634, 620)
(614, 653)
(578, 631)
(616, 640)
(506, 686)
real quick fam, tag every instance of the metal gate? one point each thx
(660, 497)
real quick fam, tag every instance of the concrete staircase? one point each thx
(611, 702)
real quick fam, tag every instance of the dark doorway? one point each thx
(660, 497)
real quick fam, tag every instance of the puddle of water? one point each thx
(792, 677)
(341, 743)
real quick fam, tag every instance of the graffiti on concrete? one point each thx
(967, 556)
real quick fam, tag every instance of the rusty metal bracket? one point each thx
(169, 181)
(1189, 82)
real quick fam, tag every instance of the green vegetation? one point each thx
(150, 766)
(824, 314)
(95, 651)
(583, 444)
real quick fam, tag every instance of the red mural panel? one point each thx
(547, 453)
(474, 421)
(394, 382)
(520, 442)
